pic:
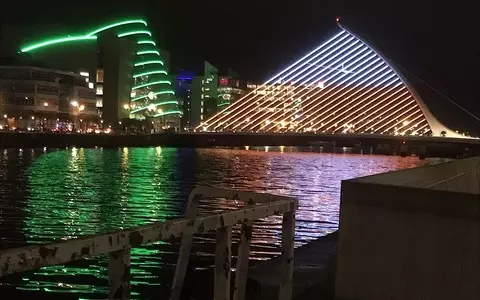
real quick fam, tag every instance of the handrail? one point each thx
(118, 244)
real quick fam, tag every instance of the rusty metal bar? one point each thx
(288, 243)
(118, 244)
(119, 274)
(244, 196)
(223, 262)
(243, 259)
(34, 257)
(185, 247)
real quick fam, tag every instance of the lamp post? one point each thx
(77, 108)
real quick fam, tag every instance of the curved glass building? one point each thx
(132, 79)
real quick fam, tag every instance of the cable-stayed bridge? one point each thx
(344, 86)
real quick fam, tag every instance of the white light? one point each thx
(74, 103)
(304, 61)
(152, 107)
(90, 85)
(45, 104)
(151, 95)
(85, 74)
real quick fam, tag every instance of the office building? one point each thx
(39, 99)
(127, 70)
(212, 93)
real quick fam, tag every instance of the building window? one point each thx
(100, 76)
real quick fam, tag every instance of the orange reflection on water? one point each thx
(313, 178)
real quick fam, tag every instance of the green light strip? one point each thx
(157, 93)
(146, 42)
(223, 104)
(148, 52)
(117, 24)
(57, 41)
(134, 32)
(148, 62)
(168, 113)
(151, 83)
(156, 104)
(149, 73)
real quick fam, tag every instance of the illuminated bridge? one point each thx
(146, 88)
(343, 86)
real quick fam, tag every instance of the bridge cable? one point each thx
(435, 90)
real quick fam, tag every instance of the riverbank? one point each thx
(389, 145)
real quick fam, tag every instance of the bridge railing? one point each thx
(117, 245)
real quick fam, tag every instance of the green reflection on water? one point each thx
(89, 191)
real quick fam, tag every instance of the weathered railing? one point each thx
(118, 244)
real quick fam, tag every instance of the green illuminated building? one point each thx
(131, 78)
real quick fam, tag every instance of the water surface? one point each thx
(63, 194)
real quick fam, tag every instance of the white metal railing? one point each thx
(119, 243)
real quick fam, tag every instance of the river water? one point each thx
(63, 194)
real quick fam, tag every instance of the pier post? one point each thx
(288, 235)
(119, 274)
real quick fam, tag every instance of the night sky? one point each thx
(437, 41)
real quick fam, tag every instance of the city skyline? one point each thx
(429, 41)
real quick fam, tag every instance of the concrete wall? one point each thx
(413, 234)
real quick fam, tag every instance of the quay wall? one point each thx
(412, 234)
(430, 147)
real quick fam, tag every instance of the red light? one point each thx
(223, 81)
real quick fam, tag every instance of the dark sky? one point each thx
(438, 41)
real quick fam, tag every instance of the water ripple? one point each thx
(66, 194)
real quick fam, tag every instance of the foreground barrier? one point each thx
(411, 234)
(117, 245)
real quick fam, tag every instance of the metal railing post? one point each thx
(288, 235)
(185, 247)
(119, 274)
(242, 259)
(223, 262)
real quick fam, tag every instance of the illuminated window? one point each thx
(100, 76)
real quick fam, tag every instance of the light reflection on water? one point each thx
(69, 193)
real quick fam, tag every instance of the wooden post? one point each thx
(223, 261)
(119, 274)
(185, 248)
(242, 259)
(288, 236)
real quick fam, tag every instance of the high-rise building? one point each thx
(183, 90)
(212, 93)
(128, 69)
